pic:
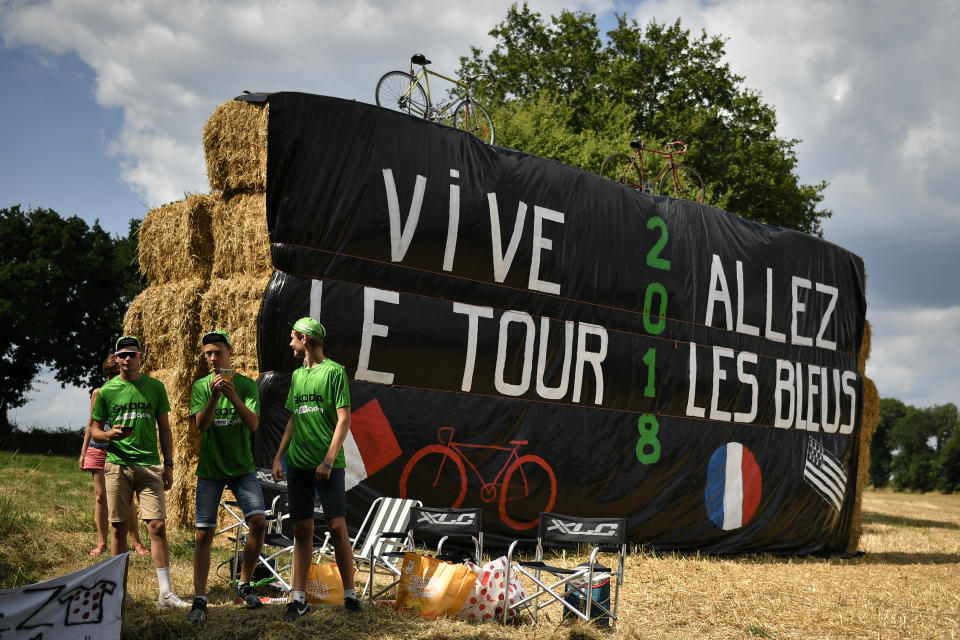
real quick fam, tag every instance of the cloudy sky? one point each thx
(104, 103)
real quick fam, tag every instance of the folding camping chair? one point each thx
(279, 535)
(577, 590)
(384, 515)
(437, 525)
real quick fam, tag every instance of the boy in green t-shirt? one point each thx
(136, 408)
(319, 402)
(225, 407)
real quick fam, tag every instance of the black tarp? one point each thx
(525, 336)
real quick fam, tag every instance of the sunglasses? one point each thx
(123, 355)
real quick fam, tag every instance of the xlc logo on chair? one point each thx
(577, 528)
(446, 519)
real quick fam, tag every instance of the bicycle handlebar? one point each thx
(677, 143)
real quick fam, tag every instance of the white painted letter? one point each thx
(719, 292)
(473, 313)
(502, 385)
(400, 237)
(750, 379)
(554, 393)
(783, 386)
(546, 244)
(718, 375)
(370, 329)
(692, 408)
(769, 331)
(743, 327)
(453, 223)
(502, 260)
(594, 358)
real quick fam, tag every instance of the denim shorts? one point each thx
(209, 491)
(302, 485)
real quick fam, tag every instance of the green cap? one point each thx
(216, 336)
(127, 343)
(310, 327)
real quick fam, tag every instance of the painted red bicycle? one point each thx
(524, 486)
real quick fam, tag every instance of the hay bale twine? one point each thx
(241, 243)
(175, 241)
(235, 145)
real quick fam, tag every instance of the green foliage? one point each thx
(925, 446)
(64, 287)
(881, 458)
(657, 82)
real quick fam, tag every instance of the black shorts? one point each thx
(302, 485)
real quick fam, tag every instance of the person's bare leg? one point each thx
(254, 545)
(201, 561)
(158, 543)
(302, 552)
(118, 542)
(342, 550)
(133, 528)
(100, 511)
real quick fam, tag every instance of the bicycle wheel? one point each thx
(621, 168)
(529, 488)
(471, 116)
(397, 90)
(689, 185)
(439, 474)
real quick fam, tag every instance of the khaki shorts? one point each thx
(146, 480)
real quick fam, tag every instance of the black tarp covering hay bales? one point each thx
(509, 316)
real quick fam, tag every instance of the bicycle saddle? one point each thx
(636, 144)
(419, 59)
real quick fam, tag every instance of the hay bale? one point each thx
(864, 354)
(235, 144)
(175, 240)
(241, 244)
(233, 305)
(869, 420)
(166, 319)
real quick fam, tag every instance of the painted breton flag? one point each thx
(734, 486)
(824, 473)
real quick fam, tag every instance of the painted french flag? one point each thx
(734, 486)
(370, 444)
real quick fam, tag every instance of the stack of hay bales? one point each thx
(207, 262)
(869, 420)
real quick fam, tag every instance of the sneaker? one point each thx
(295, 610)
(171, 601)
(352, 605)
(250, 597)
(199, 611)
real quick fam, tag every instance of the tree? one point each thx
(891, 410)
(665, 85)
(64, 287)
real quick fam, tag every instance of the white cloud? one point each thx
(912, 350)
(51, 406)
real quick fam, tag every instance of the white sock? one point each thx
(349, 593)
(300, 596)
(163, 577)
(204, 598)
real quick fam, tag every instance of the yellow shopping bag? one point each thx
(324, 585)
(433, 587)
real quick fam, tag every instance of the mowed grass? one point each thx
(905, 585)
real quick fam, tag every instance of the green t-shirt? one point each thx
(315, 395)
(225, 447)
(135, 404)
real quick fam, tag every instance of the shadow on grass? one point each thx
(872, 517)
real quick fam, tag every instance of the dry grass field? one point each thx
(906, 584)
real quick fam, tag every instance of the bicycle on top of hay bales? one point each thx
(673, 179)
(402, 91)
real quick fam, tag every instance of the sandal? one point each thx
(141, 550)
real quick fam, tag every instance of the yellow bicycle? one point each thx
(410, 93)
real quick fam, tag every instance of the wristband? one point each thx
(324, 463)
